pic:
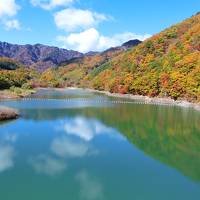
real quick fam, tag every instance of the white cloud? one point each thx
(50, 4)
(8, 8)
(92, 40)
(77, 19)
(12, 24)
(83, 42)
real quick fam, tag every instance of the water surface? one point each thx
(78, 145)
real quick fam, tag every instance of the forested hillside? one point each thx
(16, 77)
(168, 64)
(74, 72)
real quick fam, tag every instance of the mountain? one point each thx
(125, 46)
(75, 70)
(42, 57)
(91, 53)
(131, 43)
(165, 65)
(37, 56)
(41, 60)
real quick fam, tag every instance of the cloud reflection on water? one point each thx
(6, 157)
(73, 141)
(90, 187)
(48, 165)
(65, 147)
(87, 129)
(7, 151)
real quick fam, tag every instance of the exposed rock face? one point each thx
(38, 56)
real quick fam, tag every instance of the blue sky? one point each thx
(86, 25)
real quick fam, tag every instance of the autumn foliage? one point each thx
(166, 65)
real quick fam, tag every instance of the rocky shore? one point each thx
(7, 113)
(153, 100)
(145, 99)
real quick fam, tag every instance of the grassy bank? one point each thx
(15, 93)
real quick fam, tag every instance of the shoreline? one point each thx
(5, 95)
(10, 95)
(152, 100)
(146, 99)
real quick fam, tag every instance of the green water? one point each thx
(77, 145)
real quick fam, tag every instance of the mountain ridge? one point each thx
(42, 57)
(37, 56)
